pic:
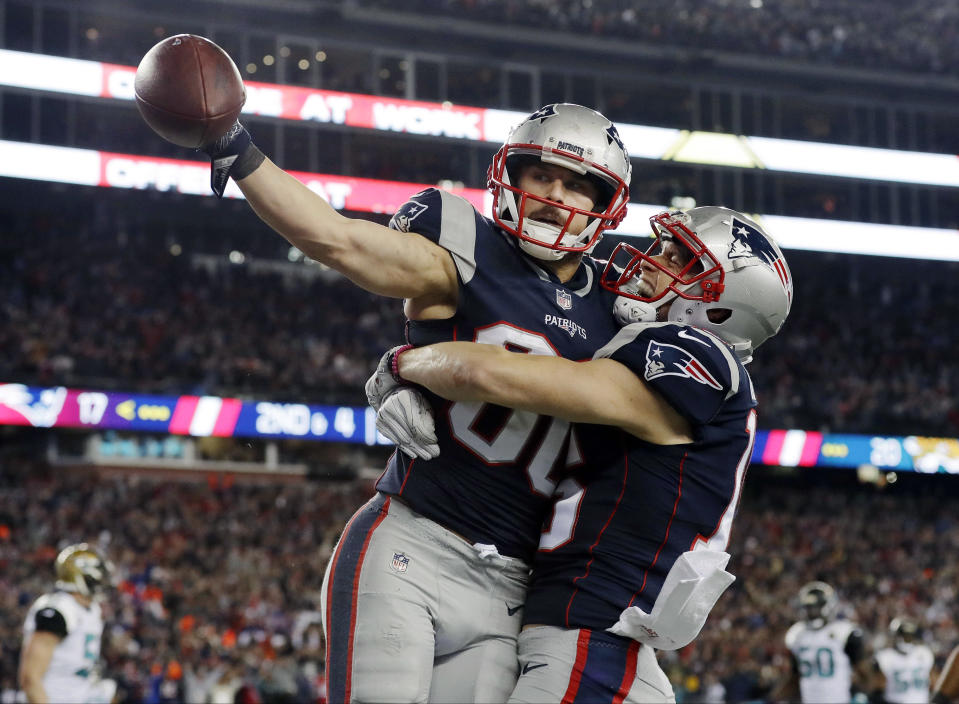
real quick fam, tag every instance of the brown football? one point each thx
(188, 90)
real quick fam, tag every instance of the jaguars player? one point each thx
(62, 632)
(421, 591)
(662, 494)
(905, 664)
(828, 651)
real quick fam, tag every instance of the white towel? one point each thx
(694, 583)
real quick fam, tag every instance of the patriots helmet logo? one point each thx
(670, 360)
(542, 114)
(612, 135)
(403, 218)
(750, 242)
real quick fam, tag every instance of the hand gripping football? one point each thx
(188, 90)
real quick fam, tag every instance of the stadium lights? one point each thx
(103, 80)
(94, 168)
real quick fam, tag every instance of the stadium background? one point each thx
(154, 300)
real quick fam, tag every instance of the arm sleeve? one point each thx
(50, 620)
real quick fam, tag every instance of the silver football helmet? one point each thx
(736, 283)
(579, 139)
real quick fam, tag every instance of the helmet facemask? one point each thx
(693, 272)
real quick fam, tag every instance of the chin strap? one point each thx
(628, 310)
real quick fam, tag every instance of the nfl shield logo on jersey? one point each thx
(400, 562)
(564, 300)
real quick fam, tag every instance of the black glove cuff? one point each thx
(233, 156)
(247, 162)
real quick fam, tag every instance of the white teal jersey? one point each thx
(71, 676)
(825, 672)
(907, 673)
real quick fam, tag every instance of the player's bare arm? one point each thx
(202, 114)
(947, 686)
(600, 391)
(378, 259)
(34, 662)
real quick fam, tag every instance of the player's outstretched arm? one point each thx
(600, 391)
(378, 259)
(947, 686)
(36, 657)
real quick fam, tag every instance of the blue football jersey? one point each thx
(633, 508)
(494, 478)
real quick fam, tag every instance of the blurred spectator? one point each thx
(880, 34)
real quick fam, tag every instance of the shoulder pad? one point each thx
(63, 603)
(445, 219)
(792, 634)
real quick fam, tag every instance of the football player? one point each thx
(905, 664)
(633, 556)
(61, 635)
(828, 651)
(422, 593)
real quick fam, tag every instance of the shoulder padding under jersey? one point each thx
(693, 370)
(837, 631)
(61, 603)
(446, 219)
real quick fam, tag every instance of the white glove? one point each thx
(694, 583)
(405, 417)
(385, 379)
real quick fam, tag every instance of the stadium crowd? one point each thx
(882, 34)
(879, 35)
(124, 312)
(217, 588)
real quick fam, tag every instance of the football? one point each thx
(188, 90)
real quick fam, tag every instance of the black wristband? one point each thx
(247, 162)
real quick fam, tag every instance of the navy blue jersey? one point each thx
(632, 508)
(491, 482)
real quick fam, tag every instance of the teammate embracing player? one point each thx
(423, 594)
(633, 555)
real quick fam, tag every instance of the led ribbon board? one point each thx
(202, 416)
(95, 168)
(103, 80)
